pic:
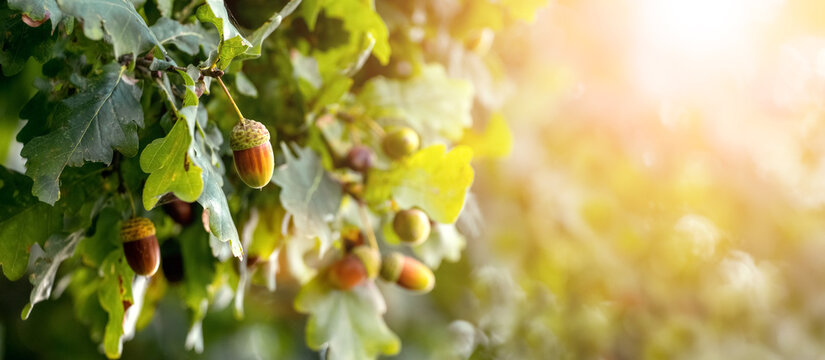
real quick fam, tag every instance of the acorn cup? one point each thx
(407, 273)
(254, 160)
(400, 142)
(412, 226)
(140, 245)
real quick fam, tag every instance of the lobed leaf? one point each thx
(93, 123)
(434, 105)
(309, 194)
(349, 322)
(432, 179)
(58, 248)
(24, 221)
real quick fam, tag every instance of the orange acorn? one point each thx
(140, 245)
(250, 146)
(407, 273)
(347, 272)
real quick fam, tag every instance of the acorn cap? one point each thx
(248, 134)
(370, 258)
(136, 228)
(391, 266)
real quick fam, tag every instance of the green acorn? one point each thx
(370, 258)
(407, 273)
(140, 245)
(250, 146)
(400, 142)
(412, 226)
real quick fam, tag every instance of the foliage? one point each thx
(124, 118)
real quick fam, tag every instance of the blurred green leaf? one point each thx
(349, 322)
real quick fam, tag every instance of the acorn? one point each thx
(140, 245)
(359, 158)
(407, 273)
(171, 261)
(250, 146)
(347, 272)
(412, 226)
(400, 142)
(180, 211)
(370, 258)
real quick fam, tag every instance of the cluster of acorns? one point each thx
(254, 162)
(412, 226)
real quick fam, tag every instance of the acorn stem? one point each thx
(231, 100)
(366, 222)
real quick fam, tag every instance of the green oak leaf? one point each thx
(115, 289)
(432, 179)
(106, 238)
(309, 194)
(213, 198)
(199, 267)
(58, 248)
(169, 165)
(360, 20)
(165, 7)
(433, 104)
(38, 9)
(349, 322)
(117, 21)
(232, 43)
(104, 117)
(189, 38)
(20, 42)
(268, 27)
(444, 243)
(24, 221)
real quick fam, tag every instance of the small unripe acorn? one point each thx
(370, 258)
(400, 142)
(250, 146)
(347, 272)
(407, 273)
(140, 245)
(180, 211)
(171, 261)
(412, 226)
(359, 158)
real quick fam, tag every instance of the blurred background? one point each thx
(663, 199)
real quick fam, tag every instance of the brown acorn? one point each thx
(359, 158)
(180, 211)
(250, 146)
(347, 272)
(407, 273)
(412, 226)
(140, 245)
(400, 142)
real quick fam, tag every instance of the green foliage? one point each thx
(432, 179)
(309, 194)
(89, 126)
(124, 119)
(433, 104)
(349, 322)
